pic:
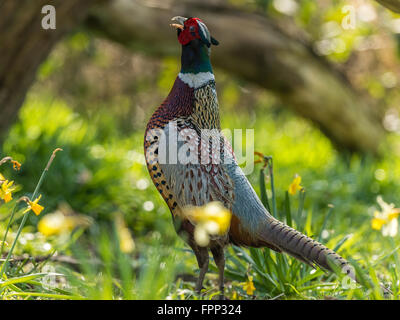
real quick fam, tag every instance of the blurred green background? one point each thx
(92, 98)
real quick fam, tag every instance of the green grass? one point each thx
(101, 174)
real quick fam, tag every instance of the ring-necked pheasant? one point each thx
(190, 108)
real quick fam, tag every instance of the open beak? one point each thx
(178, 22)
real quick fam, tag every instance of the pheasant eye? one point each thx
(192, 29)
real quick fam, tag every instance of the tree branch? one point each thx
(393, 5)
(37, 259)
(253, 48)
(25, 45)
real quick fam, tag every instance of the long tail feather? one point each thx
(300, 246)
(303, 248)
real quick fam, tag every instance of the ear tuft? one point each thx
(214, 41)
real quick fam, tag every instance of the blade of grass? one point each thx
(376, 290)
(22, 279)
(310, 277)
(271, 176)
(45, 295)
(287, 209)
(318, 285)
(302, 196)
(341, 242)
(263, 190)
(34, 195)
(307, 227)
(324, 223)
(8, 227)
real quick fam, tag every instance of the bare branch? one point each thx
(393, 5)
(254, 48)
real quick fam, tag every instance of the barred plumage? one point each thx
(191, 111)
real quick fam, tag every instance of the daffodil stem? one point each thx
(288, 212)
(8, 228)
(302, 195)
(46, 169)
(263, 190)
(4, 266)
(324, 224)
(271, 174)
(4, 160)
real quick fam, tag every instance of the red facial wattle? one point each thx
(190, 31)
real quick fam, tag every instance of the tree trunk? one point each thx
(24, 45)
(254, 48)
(393, 5)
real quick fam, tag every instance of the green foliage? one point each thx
(93, 99)
(116, 181)
(99, 172)
(281, 276)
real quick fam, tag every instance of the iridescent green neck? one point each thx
(195, 59)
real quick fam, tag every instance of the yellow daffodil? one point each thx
(262, 159)
(249, 286)
(34, 206)
(295, 185)
(214, 212)
(2, 177)
(6, 191)
(210, 219)
(52, 224)
(386, 220)
(58, 223)
(16, 165)
(126, 243)
(261, 155)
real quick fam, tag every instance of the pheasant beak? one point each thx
(178, 22)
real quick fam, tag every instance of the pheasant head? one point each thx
(196, 41)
